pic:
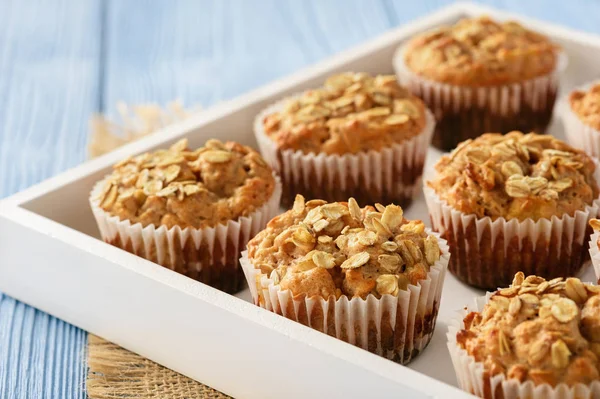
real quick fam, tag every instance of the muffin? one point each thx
(581, 118)
(514, 202)
(364, 275)
(359, 135)
(594, 245)
(480, 75)
(536, 339)
(191, 211)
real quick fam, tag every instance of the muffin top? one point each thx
(538, 330)
(586, 105)
(188, 188)
(516, 176)
(481, 52)
(353, 112)
(324, 249)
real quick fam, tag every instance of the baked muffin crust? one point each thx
(353, 112)
(333, 249)
(481, 52)
(538, 330)
(595, 225)
(586, 105)
(516, 176)
(188, 188)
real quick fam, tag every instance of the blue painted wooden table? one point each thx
(62, 60)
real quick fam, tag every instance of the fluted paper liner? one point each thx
(487, 253)
(398, 328)
(209, 254)
(471, 375)
(392, 175)
(466, 112)
(595, 253)
(580, 135)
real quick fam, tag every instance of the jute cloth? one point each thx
(114, 372)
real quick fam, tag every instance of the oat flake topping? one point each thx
(586, 105)
(179, 186)
(481, 52)
(544, 331)
(516, 176)
(326, 249)
(353, 112)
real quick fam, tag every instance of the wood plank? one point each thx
(577, 14)
(204, 52)
(48, 86)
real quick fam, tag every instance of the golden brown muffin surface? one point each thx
(516, 176)
(324, 249)
(353, 112)
(481, 52)
(586, 105)
(188, 188)
(595, 225)
(538, 330)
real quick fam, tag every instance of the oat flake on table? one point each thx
(135, 121)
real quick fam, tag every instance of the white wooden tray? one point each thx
(51, 258)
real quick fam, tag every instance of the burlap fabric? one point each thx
(114, 372)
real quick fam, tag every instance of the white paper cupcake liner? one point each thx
(595, 253)
(487, 254)
(397, 328)
(580, 135)
(210, 255)
(466, 112)
(471, 375)
(392, 175)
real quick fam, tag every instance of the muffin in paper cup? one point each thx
(372, 279)
(358, 136)
(536, 339)
(190, 211)
(581, 118)
(595, 247)
(515, 202)
(482, 76)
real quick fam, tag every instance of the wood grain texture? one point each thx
(204, 52)
(49, 67)
(61, 60)
(49, 53)
(40, 356)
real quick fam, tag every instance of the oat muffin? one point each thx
(482, 75)
(191, 210)
(516, 176)
(586, 104)
(481, 52)
(358, 135)
(594, 247)
(536, 331)
(322, 256)
(520, 202)
(582, 119)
